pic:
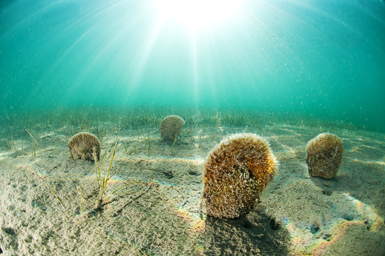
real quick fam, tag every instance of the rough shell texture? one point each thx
(170, 127)
(324, 155)
(81, 146)
(235, 173)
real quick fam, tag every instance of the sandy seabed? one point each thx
(152, 204)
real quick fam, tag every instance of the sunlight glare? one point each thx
(197, 13)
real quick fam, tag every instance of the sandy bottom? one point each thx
(152, 205)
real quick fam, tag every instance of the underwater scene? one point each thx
(181, 127)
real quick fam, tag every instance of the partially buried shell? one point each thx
(82, 144)
(235, 173)
(170, 127)
(324, 155)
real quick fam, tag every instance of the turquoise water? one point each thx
(317, 59)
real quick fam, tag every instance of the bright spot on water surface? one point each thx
(197, 13)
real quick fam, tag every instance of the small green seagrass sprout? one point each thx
(103, 175)
(173, 144)
(33, 142)
(148, 144)
(12, 143)
(125, 147)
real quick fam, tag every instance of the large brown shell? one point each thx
(81, 146)
(324, 155)
(235, 173)
(170, 127)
